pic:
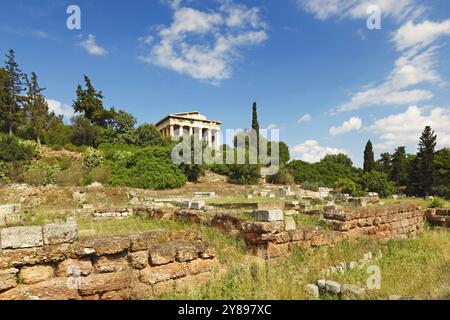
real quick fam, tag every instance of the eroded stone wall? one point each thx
(439, 217)
(49, 263)
(378, 222)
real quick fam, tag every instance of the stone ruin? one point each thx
(439, 217)
(50, 262)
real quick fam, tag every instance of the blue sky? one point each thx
(317, 72)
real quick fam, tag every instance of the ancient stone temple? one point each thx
(191, 123)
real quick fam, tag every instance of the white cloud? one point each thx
(411, 69)
(404, 129)
(311, 151)
(306, 118)
(353, 123)
(204, 44)
(60, 108)
(422, 34)
(91, 46)
(357, 9)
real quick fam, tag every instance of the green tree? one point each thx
(89, 102)
(148, 135)
(378, 182)
(426, 169)
(11, 115)
(369, 159)
(84, 133)
(35, 107)
(4, 80)
(442, 168)
(399, 173)
(384, 164)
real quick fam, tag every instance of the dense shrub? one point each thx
(100, 174)
(379, 182)
(244, 173)
(345, 185)
(72, 176)
(149, 168)
(14, 149)
(92, 158)
(3, 172)
(283, 177)
(40, 173)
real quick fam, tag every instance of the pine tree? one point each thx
(369, 158)
(399, 172)
(89, 102)
(425, 161)
(13, 112)
(384, 164)
(35, 106)
(4, 80)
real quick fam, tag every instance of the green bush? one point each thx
(40, 174)
(149, 168)
(92, 158)
(283, 177)
(437, 203)
(379, 182)
(244, 173)
(72, 176)
(3, 172)
(14, 149)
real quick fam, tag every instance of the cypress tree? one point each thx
(425, 161)
(369, 158)
(255, 125)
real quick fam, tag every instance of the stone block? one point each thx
(53, 289)
(289, 223)
(152, 275)
(350, 291)
(313, 290)
(322, 283)
(185, 204)
(35, 274)
(8, 278)
(101, 246)
(100, 283)
(139, 259)
(111, 263)
(186, 284)
(71, 267)
(21, 237)
(56, 233)
(333, 287)
(268, 215)
(198, 205)
(201, 265)
(162, 254)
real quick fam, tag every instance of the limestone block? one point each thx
(185, 205)
(268, 215)
(139, 259)
(333, 287)
(111, 263)
(56, 233)
(201, 265)
(321, 283)
(162, 254)
(313, 290)
(99, 283)
(8, 278)
(53, 289)
(198, 205)
(350, 290)
(21, 237)
(290, 223)
(71, 267)
(152, 275)
(35, 274)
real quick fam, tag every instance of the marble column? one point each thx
(209, 132)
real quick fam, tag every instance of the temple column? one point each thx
(171, 131)
(191, 131)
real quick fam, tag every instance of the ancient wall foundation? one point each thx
(439, 217)
(51, 263)
(378, 222)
